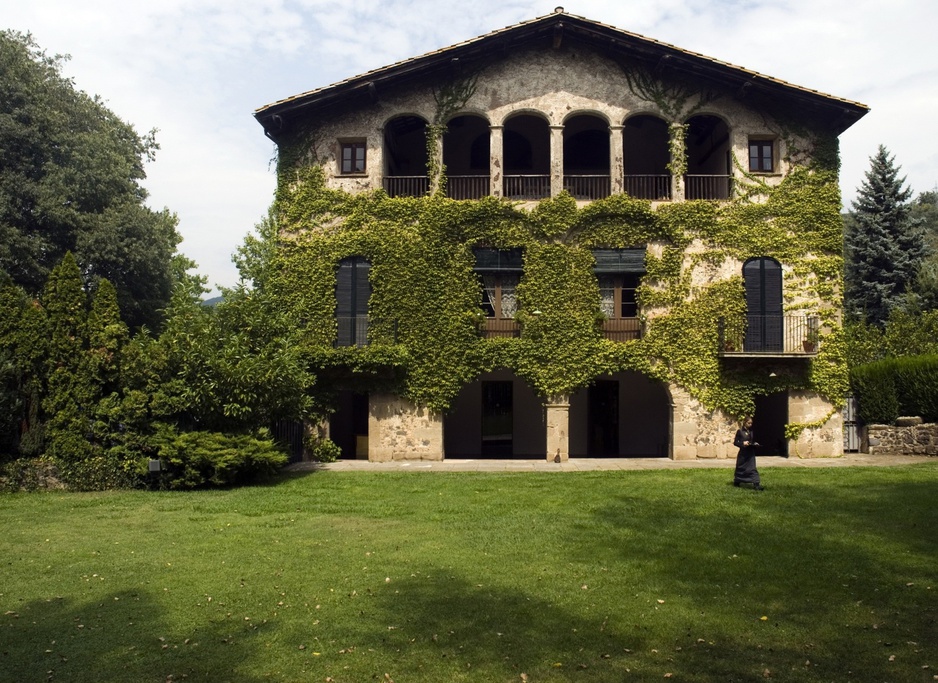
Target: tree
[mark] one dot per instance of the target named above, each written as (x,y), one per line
(885,246)
(70,180)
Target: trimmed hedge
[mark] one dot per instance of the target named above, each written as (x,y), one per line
(892,387)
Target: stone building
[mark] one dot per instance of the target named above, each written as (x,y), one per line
(561,239)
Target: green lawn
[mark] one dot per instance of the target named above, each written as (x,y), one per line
(829,575)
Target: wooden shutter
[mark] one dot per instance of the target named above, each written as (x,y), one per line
(762,278)
(352,291)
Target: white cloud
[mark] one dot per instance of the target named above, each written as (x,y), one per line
(197,69)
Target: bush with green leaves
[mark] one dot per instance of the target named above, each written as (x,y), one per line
(892,387)
(208,459)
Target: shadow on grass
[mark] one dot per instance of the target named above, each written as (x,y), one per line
(844,574)
(119,638)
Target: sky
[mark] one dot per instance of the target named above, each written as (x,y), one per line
(196,70)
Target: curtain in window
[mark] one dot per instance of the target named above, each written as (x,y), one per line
(509,297)
(607,295)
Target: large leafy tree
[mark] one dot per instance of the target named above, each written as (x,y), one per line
(885,246)
(70,180)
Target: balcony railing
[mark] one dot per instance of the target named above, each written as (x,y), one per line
(587,186)
(622,329)
(500,327)
(526,187)
(360,330)
(654,187)
(406,185)
(467,186)
(773,335)
(708,186)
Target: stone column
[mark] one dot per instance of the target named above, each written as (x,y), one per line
(616,160)
(556,160)
(558,429)
(398,429)
(496,160)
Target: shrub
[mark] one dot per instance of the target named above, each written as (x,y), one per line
(917,386)
(874,387)
(204,459)
(325,450)
(29,474)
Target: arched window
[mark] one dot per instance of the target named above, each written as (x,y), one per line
(352,291)
(762,278)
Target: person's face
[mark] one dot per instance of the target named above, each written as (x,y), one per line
(748,423)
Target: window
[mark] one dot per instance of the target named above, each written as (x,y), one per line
(500,273)
(617,295)
(618,272)
(761,157)
(762,278)
(352,291)
(353,157)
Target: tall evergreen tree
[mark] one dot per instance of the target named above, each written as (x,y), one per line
(884,243)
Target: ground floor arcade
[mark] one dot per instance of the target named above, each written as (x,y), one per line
(624,415)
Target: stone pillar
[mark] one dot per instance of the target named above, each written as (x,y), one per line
(824,441)
(496,160)
(556,160)
(616,160)
(398,429)
(558,429)
(677,179)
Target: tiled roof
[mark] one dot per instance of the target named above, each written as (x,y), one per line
(607,36)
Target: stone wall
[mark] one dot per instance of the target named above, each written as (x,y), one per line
(909,436)
(400,430)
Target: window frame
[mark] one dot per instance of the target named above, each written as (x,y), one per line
(354,145)
(761,144)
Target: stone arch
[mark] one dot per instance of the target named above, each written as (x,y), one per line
(708,147)
(496,416)
(646,150)
(405,155)
(623,415)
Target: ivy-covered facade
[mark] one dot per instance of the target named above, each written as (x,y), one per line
(563,240)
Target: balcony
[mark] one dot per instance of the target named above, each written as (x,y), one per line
(653,187)
(500,327)
(360,330)
(587,187)
(777,336)
(622,329)
(406,186)
(708,186)
(526,187)
(467,186)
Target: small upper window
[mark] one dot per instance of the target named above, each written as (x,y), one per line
(353,157)
(761,157)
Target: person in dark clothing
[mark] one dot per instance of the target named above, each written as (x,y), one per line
(746,472)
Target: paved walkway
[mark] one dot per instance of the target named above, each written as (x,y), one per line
(597,464)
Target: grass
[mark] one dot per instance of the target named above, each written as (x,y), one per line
(829,575)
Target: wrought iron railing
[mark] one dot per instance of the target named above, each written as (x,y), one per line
(708,186)
(588,186)
(360,330)
(406,185)
(770,335)
(526,187)
(622,329)
(654,187)
(467,186)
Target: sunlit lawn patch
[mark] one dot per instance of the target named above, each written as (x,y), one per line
(829,575)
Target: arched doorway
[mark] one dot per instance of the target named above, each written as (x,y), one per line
(526,154)
(466,157)
(497,416)
(405,154)
(709,159)
(586,157)
(620,416)
(646,153)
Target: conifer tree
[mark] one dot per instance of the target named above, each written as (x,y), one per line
(884,244)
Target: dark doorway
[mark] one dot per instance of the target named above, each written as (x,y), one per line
(348,426)
(603,419)
(769,424)
(497,419)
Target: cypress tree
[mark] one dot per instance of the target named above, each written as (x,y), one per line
(884,243)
